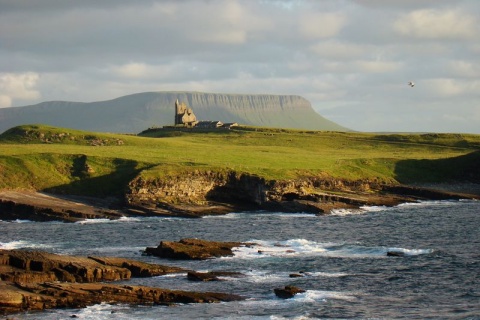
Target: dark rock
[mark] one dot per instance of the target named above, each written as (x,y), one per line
(35,280)
(295,275)
(20,298)
(212,275)
(287,292)
(193,249)
(137,268)
(201,276)
(395,254)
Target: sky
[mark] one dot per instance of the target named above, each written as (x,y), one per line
(352,59)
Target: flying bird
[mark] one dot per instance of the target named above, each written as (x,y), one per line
(411,84)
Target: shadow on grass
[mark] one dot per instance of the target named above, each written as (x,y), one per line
(465,168)
(113,184)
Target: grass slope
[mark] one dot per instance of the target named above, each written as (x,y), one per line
(72,161)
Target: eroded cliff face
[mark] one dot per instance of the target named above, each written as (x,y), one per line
(201,188)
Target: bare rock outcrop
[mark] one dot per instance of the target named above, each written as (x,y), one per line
(193,249)
(287,292)
(21,266)
(40,296)
(35,280)
(315,194)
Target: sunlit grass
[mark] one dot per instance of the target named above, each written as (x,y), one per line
(28,161)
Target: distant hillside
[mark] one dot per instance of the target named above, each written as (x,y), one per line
(137,112)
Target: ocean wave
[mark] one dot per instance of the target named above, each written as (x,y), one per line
(236,215)
(307,297)
(258,276)
(428,203)
(346,212)
(19,244)
(302,247)
(91,221)
(320,295)
(105,220)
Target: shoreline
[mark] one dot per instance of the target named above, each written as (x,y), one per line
(40,206)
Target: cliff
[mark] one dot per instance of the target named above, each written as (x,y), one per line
(137,112)
(199,193)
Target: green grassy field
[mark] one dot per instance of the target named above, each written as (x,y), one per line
(64,160)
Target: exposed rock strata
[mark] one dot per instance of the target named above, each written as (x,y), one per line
(317,195)
(40,296)
(36,266)
(197,193)
(34,280)
(193,249)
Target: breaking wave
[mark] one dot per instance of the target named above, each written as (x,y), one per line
(302,247)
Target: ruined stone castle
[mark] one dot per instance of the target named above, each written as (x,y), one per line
(184,117)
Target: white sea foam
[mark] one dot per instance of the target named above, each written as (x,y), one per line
(258,276)
(409,252)
(346,212)
(427,203)
(22,221)
(127,219)
(374,208)
(104,220)
(91,221)
(319,295)
(102,311)
(307,297)
(18,244)
(236,215)
(303,247)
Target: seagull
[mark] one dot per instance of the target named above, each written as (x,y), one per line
(411,84)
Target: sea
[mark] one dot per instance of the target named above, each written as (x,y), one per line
(342,257)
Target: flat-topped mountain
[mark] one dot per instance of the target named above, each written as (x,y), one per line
(136,112)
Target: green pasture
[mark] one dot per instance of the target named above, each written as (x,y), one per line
(64,160)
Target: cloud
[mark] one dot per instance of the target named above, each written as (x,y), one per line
(464,69)
(131,70)
(437,24)
(319,25)
(377,66)
(448,87)
(18,86)
(334,53)
(334,49)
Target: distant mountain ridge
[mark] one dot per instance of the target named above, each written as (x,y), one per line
(136,112)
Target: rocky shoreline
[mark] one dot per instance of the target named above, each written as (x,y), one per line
(37,280)
(296,197)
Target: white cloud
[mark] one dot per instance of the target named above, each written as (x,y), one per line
(351,52)
(131,70)
(318,25)
(5,101)
(448,87)
(437,24)
(377,66)
(335,49)
(225,22)
(18,86)
(464,69)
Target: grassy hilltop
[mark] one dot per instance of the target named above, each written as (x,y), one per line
(63,160)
